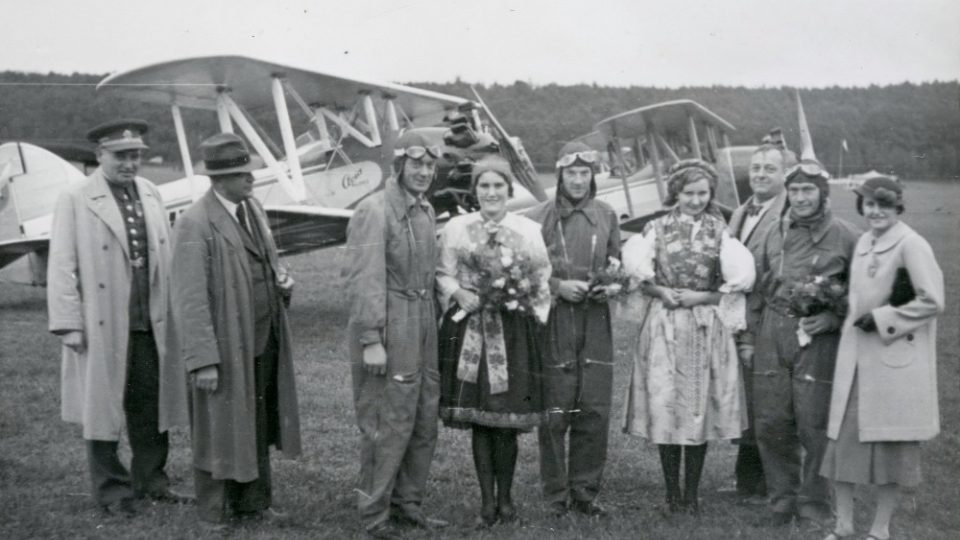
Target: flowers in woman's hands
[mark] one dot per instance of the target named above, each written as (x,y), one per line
(506,256)
(503,278)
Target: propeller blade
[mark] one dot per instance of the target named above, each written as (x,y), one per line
(519,161)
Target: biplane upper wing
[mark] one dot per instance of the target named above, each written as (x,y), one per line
(196,83)
(302,228)
(666,115)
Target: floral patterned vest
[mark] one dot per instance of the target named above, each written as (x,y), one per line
(688,262)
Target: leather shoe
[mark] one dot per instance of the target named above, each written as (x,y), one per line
(588,508)
(507,512)
(775,519)
(210,527)
(170,496)
(383,531)
(419,519)
(123,507)
(268,515)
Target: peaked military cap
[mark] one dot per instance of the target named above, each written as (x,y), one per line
(119,135)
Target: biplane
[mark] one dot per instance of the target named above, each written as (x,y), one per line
(638,146)
(335,149)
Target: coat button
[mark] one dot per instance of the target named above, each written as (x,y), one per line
(101,323)
(102,286)
(163,240)
(891,330)
(909,337)
(104,247)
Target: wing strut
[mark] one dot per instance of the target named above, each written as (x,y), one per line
(223,115)
(297,193)
(623,170)
(694,139)
(286,133)
(184,149)
(652,137)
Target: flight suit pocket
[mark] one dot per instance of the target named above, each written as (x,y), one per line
(402,390)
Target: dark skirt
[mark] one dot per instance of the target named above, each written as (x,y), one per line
(465,404)
(884,462)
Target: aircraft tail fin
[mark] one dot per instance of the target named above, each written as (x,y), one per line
(806,141)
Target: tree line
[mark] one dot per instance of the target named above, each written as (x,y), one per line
(912,130)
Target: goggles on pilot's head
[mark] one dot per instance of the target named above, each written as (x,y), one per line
(808,168)
(417,152)
(589,157)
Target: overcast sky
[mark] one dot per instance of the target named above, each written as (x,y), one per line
(610,42)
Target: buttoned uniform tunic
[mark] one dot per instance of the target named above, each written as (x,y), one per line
(390,273)
(896,366)
(89,279)
(792,384)
(578,362)
(216,318)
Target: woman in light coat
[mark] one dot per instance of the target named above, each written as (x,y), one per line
(884,397)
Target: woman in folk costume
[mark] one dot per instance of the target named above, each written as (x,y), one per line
(493,281)
(884,399)
(686,387)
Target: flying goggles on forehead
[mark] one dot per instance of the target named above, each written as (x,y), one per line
(588,157)
(417,152)
(809,168)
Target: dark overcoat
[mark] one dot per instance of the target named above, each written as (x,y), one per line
(213,294)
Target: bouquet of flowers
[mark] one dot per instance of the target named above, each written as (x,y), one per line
(814,294)
(610,281)
(505,279)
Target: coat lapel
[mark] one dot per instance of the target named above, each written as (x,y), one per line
(223,222)
(772,215)
(101,202)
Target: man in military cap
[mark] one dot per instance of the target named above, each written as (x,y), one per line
(581,234)
(230,294)
(108,299)
(392,251)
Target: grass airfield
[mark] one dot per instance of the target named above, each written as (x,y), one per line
(44,485)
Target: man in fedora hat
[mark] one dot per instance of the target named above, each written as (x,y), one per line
(108,299)
(229,290)
(392,250)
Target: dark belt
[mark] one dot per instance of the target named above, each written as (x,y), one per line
(414,294)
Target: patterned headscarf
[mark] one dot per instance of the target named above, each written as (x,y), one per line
(688,171)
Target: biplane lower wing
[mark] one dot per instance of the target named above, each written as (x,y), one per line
(302,228)
(11,250)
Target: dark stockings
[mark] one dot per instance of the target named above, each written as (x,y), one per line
(495,458)
(692,457)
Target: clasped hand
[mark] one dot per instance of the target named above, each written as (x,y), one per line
(676,298)
(207,378)
(820,323)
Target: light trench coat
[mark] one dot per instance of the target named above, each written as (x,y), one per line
(88,289)
(896,366)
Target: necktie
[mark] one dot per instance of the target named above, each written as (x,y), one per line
(754,210)
(242,217)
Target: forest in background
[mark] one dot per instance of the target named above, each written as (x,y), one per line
(912,130)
